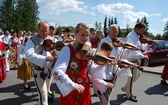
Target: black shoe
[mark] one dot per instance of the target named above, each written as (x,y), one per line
(163,82)
(26,88)
(50,97)
(132,98)
(94,95)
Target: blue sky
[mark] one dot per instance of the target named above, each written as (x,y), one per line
(71,12)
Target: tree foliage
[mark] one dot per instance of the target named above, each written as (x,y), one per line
(165,32)
(19,15)
(105,27)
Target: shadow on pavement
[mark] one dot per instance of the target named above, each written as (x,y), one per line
(120,99)
(20,93)
(162,89)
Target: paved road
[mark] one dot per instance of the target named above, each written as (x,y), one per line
(148,89)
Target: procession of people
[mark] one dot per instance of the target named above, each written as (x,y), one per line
(74,63)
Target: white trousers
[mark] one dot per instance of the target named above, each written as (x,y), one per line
(104,98)
(130,81)
(42,81)
(7,64)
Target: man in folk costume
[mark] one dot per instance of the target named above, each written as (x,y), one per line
(134,56)
(41,61)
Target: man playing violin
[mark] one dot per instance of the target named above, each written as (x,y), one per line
(134,56)
(41,61)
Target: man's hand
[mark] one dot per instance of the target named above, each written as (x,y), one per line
(109,85)
(50,58)
(146,57)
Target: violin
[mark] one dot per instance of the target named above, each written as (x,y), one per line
(2,54)
(124,63)
(117,42)
(49,45)
(144,40)
(102,58)
(84,52)
(68,39)
(120,43)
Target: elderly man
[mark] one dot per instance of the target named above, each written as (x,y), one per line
(41,61)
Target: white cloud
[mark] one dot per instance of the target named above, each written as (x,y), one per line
(40,0)
(121,9)
(156,14)
(62,6)
(165,20)
(112,9)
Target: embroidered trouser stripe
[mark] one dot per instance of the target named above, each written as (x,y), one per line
(42,83)
(104,100)
(35,80)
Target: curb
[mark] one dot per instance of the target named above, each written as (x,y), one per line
(153,72)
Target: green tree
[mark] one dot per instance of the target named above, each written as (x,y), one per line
(6,14)
(144,19)
(158,37)
(111,22)
(27,12)
(138,21)
(127,30)
(96,26)
(165,31)
(19,15)
(105,27)
(115,21)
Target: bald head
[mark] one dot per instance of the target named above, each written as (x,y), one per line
(43,29)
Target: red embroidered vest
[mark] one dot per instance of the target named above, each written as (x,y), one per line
(77,73)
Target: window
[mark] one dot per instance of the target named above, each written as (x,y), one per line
(166,45)
(160,46)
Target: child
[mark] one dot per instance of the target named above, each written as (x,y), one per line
(24,71)
(103,76)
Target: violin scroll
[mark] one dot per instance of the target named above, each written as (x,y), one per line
(120,43)
(117,42)
(49,45)
(68,39)
(123,63)
(144,40)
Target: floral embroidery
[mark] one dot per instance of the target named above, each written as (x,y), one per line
(79,80)
(87,80)
(57,77)
(73,65)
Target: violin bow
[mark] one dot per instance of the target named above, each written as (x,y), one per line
(107,93)
(93,58)
(118,57)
